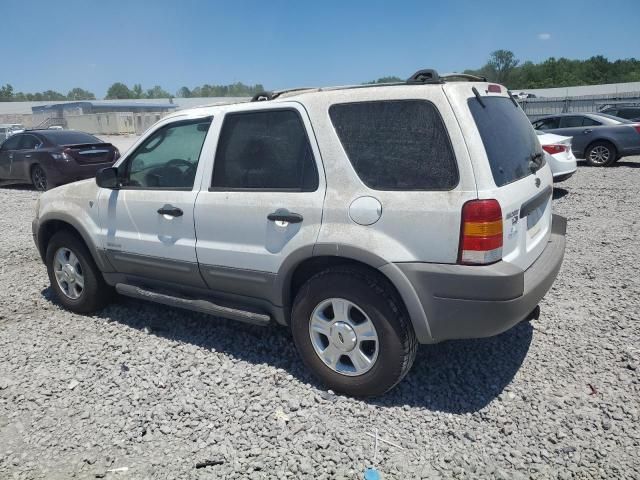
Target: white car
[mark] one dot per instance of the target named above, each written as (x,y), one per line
(558,154)
(367,219)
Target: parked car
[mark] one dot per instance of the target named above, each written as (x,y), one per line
(626,112)
(8,129)
(559,155)
(599,138)
(47,158)
(367,219)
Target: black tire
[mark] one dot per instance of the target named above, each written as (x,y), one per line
(371,293)
(95,293)
(39,178)
(601,154)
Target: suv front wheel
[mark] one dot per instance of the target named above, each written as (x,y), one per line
(351,331)
(74,276)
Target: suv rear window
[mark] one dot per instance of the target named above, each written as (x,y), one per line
(396,144)
(508,138)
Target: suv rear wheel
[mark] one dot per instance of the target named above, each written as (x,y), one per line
(351,331)
(74,275)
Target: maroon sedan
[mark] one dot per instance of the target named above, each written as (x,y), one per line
(47,158)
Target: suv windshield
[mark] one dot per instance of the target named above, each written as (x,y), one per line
(508,138)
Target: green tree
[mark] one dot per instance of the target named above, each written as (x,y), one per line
(80,94)
(157,92)
(184,92)
(136,91)
(6,93)
(502,62)
(391,79)
(119,91)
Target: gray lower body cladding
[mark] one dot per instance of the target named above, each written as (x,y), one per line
(481,301)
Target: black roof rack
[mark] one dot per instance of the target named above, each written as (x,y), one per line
(421,77)
(424,76)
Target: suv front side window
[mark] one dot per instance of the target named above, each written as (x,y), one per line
(168,159)
(266,150)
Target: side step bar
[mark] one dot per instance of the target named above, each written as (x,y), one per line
(202,306)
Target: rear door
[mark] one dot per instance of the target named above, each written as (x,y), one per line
(503,143)
(262,200)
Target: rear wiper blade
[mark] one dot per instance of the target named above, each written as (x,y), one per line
(477,94)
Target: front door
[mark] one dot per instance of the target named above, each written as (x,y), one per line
(263,200)
(147,227)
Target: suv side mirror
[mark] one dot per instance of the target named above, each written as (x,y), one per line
(108,178)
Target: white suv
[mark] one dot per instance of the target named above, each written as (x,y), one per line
(367,219)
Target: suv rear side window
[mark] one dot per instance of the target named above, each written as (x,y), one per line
(266,150)
(396,144)
(508,138)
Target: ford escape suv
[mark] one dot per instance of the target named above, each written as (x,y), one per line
(367,219)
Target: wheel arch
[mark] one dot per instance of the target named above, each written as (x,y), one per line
(50,226)
(601,140)
(295,273)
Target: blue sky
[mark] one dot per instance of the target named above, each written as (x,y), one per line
(91,44)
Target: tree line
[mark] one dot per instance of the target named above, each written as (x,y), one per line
(8,95)
(502,67)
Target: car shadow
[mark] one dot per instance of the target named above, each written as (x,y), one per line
(619,163)
(559,192)
(8,185)
(456,376)
(622,163)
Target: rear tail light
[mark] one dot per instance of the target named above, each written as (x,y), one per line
(481,233)
(637,127)
(553,149)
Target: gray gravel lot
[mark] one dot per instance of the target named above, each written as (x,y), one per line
(158,390)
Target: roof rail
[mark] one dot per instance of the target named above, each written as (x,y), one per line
(424,76)
(262,96)
(465,76)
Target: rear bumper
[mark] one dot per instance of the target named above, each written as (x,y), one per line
(472,302)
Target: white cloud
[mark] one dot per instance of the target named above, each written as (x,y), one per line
(544,36)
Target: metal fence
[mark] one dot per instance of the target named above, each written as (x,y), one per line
(539,107)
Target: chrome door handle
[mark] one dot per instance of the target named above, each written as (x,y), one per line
(588,130)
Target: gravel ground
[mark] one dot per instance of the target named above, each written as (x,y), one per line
(156,391)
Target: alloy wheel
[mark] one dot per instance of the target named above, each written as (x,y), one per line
(599,155)
(69,273)
(39,179)
(344,337)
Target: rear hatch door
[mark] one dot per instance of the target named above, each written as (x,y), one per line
(509,166)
